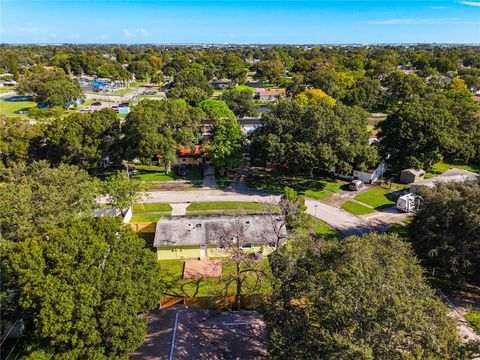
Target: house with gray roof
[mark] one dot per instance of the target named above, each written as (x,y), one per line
(191,237)
(451,175)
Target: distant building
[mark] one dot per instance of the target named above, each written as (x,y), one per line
(451,175)
(221,84)
(190,237)
(270,95)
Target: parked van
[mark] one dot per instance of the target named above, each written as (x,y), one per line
(355,185)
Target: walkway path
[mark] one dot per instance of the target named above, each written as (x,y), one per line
(179,209)
(209,180)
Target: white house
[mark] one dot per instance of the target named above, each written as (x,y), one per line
(370,176)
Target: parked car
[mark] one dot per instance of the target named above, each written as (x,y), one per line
(355,185)
(182,170)
(124,104)
(96,103)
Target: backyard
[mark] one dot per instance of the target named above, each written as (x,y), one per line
(176,286)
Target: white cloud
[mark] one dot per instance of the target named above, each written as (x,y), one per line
(444,21)
(439,7)
(127,33)
(143,32)
(470,3)
(232,35)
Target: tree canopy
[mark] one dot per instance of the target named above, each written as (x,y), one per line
(357,298)
(420,132)
(83,289)
(51,88)
(315,137)
(159,128)
(446,232)
(82,138)
(37,198)
(225,148)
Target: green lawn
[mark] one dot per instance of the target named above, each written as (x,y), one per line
(442,166)
(5,89)
(223,205)
(120,92)
(378,197)
(315,186)
(151,207)
(152,173)
(142,217)
(314,194)
(356,209)
(320,228)
(11,108)
(474,320)
(172,271)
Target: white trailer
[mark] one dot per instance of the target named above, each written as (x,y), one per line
(406,203)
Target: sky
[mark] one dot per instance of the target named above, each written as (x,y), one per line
(240,21)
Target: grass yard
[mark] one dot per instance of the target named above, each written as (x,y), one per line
(474,320)
(224,205)
(11,108)
(318,195)
(442,166)
(378,197)
(172,271)
(355,208)
(5,89)
(317,187)
(311,224)
(145,217)
(151,207)
(152,173)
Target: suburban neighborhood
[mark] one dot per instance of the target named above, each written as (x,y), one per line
(239,201)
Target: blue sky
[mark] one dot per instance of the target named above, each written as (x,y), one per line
(240,21)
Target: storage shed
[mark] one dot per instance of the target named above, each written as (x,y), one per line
(408,176)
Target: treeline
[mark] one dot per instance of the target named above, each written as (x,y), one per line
(153,132)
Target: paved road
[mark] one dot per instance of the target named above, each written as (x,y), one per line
(345,223)
(208,195)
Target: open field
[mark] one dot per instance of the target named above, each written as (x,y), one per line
(11,108)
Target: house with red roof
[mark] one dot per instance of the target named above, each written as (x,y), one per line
(196,156)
